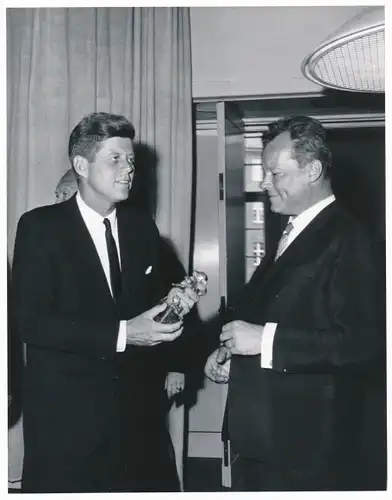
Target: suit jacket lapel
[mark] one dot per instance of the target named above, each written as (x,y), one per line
(304,242)
(252,287)
(307,237)
(85,255)
(82,249)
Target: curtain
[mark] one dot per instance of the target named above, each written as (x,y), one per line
(65,63)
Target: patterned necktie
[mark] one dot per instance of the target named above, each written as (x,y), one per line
(114,264)
(284,240)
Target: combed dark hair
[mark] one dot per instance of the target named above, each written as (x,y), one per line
(95,128)
(309,140)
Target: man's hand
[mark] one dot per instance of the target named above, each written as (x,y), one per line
(242,338)
(215,369)
(188,298)
(144,331)
(174,383)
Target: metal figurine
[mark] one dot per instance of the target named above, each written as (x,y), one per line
(174,310)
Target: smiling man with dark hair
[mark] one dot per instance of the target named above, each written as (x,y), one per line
(87,278)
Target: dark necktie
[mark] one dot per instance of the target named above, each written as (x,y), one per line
(115,273)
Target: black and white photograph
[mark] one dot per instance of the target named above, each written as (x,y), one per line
(196,248)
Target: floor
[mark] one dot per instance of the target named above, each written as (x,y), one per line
(201,475)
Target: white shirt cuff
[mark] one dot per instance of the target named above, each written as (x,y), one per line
(122,337)
(267,345)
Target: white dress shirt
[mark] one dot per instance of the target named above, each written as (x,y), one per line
(96,228)
(299,223)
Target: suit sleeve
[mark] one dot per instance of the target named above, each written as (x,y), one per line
(351,331)
(33,292)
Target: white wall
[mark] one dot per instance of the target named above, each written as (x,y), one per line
(258,50)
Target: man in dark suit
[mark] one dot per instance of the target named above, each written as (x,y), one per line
(86,284)
(162,476)
(306,332)
(66,187)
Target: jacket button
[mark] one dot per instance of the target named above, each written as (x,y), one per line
(115,377)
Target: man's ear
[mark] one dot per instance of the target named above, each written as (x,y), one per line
(80,164)
(315,169)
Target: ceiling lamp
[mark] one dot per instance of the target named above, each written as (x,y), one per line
(353,57)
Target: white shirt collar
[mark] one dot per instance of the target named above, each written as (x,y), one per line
(300,221)
(91,217)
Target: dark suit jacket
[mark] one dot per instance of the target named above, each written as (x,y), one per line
(306,412)
(80,394)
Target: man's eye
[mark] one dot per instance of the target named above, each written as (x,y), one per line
(115,158)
